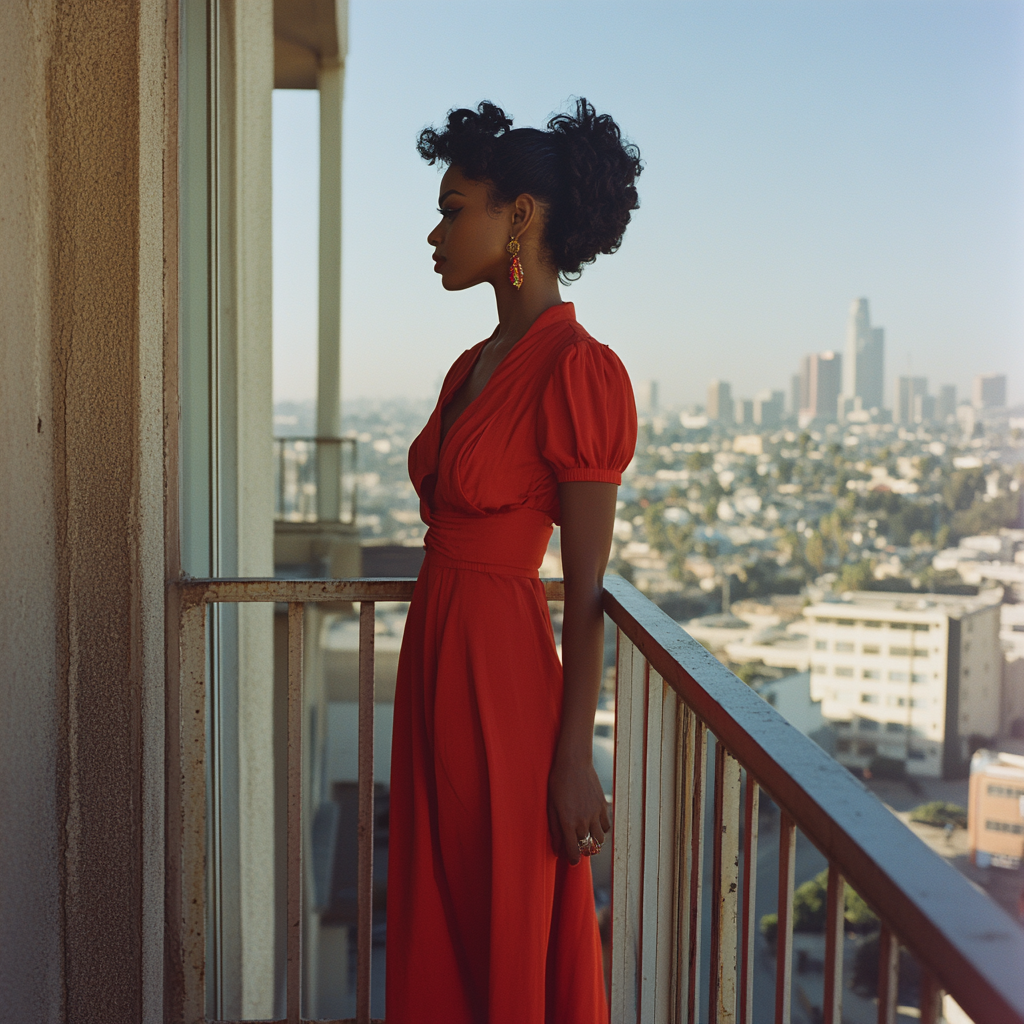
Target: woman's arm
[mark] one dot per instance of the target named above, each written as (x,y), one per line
(576,803)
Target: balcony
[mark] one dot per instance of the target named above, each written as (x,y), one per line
(315,531)
(695,749)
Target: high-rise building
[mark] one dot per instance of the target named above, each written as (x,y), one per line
(924,409)
(794,395)
(647,397)
(820,383)
(909,390)
(945,407)
(907,677)
(720,406)
(864,365)
(743,412)
(989,391)
(768,408)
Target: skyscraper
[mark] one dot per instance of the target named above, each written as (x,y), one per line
(647,397)
(820,382)
(720,401)
(768,408)
(864,365)
(908,392)
(946,405)
(989,391)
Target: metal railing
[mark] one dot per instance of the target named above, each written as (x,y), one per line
(671,696)
(315,479)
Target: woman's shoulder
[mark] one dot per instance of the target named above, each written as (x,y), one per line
(577,351)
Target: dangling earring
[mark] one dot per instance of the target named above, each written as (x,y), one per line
(515,268)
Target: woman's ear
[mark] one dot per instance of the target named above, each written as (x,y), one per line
(525,211)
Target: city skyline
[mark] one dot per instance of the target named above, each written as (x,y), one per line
(797,156)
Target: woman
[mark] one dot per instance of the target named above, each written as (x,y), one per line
(495,803)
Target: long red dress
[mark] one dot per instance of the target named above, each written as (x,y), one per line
(485,923)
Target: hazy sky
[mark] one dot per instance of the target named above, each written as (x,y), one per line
(798,155)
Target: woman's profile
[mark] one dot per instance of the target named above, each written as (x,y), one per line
(495,804)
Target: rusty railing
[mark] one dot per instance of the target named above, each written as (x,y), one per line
(672,696)
(314,479)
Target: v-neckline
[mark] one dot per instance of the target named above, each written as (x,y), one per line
(444,437)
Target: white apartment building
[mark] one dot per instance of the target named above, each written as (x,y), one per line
(907,677)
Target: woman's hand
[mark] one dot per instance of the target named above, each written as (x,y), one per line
(576,807)
(576,803)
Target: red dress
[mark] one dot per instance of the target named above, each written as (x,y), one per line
(485,923)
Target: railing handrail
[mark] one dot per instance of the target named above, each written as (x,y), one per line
(958,935)
(343,439)
(957,932)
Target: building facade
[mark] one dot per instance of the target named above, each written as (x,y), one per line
(989,391)
(995,809)
(864,361)
(720,406)
(768,409)
(907,678)
(820,386)
(911,395)
(945,404)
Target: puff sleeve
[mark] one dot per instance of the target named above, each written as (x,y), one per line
(587,422)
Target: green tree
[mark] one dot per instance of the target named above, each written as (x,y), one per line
(856,576)
(961,488)
(988,516)
(814,552)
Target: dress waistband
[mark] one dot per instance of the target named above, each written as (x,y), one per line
(506,543)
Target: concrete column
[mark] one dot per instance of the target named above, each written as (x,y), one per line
(331,80)
(83,99)
(246,507)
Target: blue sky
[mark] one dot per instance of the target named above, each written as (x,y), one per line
(798,155)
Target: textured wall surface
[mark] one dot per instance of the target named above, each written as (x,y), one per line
(81,620)
(29,880)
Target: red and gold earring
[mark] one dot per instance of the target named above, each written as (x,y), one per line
(515,268)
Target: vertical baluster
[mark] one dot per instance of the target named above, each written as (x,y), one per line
(696,864)
(931,998)
(187,816)
(620,811)
(888,975)
(724,888)
(658,883)
(751,801)
(364,921)
(294,923)
(784,936)
(835,910)
(627,866)
(686,724)
(668,812)
(652,847)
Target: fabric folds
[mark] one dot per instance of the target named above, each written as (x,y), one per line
(485,923)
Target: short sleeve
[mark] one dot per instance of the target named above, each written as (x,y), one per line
(587,423)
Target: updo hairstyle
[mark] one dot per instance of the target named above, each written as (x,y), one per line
(580,169)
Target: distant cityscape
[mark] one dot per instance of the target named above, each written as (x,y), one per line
(848,387)
(861,566)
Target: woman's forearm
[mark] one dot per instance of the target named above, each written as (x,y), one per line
(588,514)
(582,660)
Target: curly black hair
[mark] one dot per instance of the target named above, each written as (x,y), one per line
(580,169)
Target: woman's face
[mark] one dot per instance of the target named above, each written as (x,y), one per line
(469,242)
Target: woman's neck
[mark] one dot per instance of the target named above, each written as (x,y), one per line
(519,308)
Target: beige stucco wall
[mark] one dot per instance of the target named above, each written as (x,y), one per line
(81,474)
